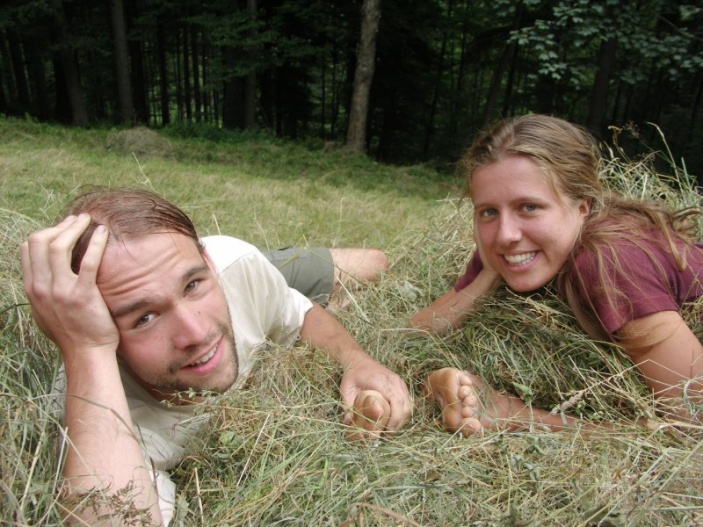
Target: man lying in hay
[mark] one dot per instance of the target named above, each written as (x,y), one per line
(149,320)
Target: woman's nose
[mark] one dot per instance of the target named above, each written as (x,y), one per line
(509,230)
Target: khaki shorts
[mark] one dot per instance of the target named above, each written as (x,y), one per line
(310,271)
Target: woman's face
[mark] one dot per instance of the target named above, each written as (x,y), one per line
(523,229)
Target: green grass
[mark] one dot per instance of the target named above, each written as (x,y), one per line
(264,191)
(275,452)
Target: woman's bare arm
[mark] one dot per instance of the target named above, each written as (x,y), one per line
(669,356)
(450,311)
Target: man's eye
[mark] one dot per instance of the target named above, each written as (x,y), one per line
(487,213)
(144,319)
(192,285)
(529,207)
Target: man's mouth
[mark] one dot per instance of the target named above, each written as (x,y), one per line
(205,358)
(520,259)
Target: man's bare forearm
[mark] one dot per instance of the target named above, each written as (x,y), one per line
(105,472)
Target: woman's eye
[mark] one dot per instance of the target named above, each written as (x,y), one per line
(489,212)
(529,207)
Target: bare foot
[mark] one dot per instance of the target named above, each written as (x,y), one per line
(369,416)
(453,390)
(469,405)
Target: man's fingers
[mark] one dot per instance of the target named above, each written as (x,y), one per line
(400,413)
(94,254)
(46,261)
(348,398)
(61,247)
(389,386)
(42,247)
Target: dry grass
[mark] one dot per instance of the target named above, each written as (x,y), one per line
(275,453)
(28,431)
(140,142)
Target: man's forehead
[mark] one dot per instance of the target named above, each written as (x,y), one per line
(138,243)
(147,250)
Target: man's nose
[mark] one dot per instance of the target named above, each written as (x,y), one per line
(191,327)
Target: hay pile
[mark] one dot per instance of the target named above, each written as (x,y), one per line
(139,142)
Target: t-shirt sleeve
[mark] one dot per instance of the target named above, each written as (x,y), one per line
(472,269)
(638,286)
(278,309)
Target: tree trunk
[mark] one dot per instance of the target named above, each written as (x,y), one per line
(694,113)
(69,69)
(232,93)
(358,115)
(250,80)
(209,114)
(195,57)
(510,83)
(163,72)
(544,92)
(4,106)
(187,91)
(599,96)
(119,36)
(176,49)
(139,83)
(21,83)
(8,79)
(41,108)
(507,57)
(429,127)
(457,95)
(138,79)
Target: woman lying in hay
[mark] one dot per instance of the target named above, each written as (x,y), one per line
(627,268)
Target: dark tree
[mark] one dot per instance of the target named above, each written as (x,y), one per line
(122,71)
(67,77)
(365,64)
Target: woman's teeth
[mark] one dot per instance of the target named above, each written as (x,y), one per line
(517,259)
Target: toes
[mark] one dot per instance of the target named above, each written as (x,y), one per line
(470,400)
(471,426)
(465,392)
(369,417)
(468,412)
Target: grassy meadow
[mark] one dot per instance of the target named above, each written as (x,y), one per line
(275,452)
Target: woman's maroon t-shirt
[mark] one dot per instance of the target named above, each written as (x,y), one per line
(646,290)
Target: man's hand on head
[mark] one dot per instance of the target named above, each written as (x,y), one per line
(68,307)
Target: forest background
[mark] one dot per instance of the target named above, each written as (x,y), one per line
(428,73)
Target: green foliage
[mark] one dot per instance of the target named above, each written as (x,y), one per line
(216,134)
